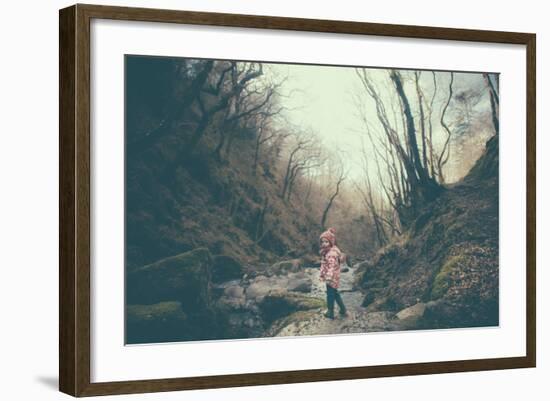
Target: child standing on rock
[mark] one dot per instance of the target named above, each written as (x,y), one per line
(330,271)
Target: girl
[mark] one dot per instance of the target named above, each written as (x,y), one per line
(331,258)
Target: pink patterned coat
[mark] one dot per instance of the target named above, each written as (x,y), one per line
(330,267)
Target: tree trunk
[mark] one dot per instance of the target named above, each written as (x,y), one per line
(332,198)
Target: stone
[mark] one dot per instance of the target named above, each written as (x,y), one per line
(164,321)
(258,288)
(282,303)
(284,267)
(262,285)
(415,311)
(300,285)
(233,297)
(412,317)
(225,268)
(184,278)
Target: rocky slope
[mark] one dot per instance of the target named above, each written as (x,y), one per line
(447,263)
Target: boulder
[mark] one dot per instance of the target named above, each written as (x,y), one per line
(184,278)
(300,285)
(235,291)
(285,267)
(411,317)
(163,311)
(295,324)
(233,297)
(378,321)
(225,268)
(258,288)
(279,303)
(164,321)
(451,313)
(242,316)
(262,285)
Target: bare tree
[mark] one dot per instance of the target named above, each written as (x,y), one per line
(224,92)
(410,170)
(266,133)
(492,83)
(305,154)
(340,176)
(385,221)
(446,152)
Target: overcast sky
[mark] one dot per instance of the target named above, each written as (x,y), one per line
(322,99)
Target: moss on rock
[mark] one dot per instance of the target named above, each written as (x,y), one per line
(296,318)
(281,303)
(442,280)
(162,311)
(164,321)
(185,277)
(225,268)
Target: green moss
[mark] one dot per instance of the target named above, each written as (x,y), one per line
(442,280)
(280,303)
(158,312)
(295,301)
(299,316)
(191,259)
(195,257)
(311,303)
(296,317)
(184,277)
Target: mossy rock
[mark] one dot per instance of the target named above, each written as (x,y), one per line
(160,322)
(296,317)
(162,311)
(185,278)
(442,279)
(278,303)
(300,285)
(225,268)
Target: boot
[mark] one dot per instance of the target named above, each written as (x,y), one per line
(342,308)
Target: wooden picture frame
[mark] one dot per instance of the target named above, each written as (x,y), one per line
(74,199)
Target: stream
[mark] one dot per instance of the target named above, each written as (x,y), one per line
(246,299)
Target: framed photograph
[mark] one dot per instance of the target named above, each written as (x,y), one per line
(250,200)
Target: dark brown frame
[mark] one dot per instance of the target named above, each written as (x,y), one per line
(74,199)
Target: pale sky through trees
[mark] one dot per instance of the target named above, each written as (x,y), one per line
(321,98)
(324,98)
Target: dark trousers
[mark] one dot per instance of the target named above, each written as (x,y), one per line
(334,295)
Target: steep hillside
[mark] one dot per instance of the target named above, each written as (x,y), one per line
(213,205)
(448,260)
(214,192)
